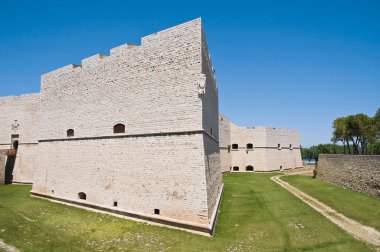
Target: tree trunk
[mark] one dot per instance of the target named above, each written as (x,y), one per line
(344,147)
(348,146)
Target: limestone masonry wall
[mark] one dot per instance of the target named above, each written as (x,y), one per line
(149,88)
(19,122)
(3,160)
(225,142)
(258,148)
(166,164)
(357,172)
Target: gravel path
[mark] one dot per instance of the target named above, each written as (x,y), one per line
(7,248)
(354,228)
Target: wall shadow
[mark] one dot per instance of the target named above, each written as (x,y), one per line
(11,160)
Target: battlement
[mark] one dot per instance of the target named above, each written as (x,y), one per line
(172,34)
(93,60)
(171,31)
(121,50)
(32,96)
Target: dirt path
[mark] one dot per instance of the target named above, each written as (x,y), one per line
(354,228)
(7,248)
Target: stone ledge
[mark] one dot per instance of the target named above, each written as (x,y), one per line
(193,227)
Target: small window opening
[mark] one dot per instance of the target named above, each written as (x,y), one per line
(221,119)
(70,133)
(15,145)
(211,131)
(82,196)
(249,146)
(119,128)
(235,146)
(157,211)
(249,168)
(279,146)
(280,167)
(236,168)
(115,203)
(290,146)
(52,191)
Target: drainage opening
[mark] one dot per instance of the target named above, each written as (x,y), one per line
(82,195)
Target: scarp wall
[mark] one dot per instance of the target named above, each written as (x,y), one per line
(166,163)
(357,172)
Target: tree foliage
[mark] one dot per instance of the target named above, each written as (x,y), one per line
(357,132)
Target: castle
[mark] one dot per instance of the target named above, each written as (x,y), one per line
(135,133)
(257,148)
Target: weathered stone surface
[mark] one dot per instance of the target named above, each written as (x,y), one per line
(265,155)
(3,160)
(20,116)
(357,172)
(168,158)
(164,92)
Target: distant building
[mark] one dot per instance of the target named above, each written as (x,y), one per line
(248,149)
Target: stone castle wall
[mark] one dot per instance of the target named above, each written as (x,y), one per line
(210,124)
(168,157)
(20,116)
(357,172)
(225,143)
(3,160)
(265,154)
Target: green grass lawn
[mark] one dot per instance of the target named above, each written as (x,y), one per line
(256,215)
(355,205)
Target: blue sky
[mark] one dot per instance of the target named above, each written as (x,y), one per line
(293,64)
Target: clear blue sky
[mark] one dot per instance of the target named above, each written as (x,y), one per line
(294,64)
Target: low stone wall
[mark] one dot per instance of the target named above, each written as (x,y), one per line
(357,172)
(3,160)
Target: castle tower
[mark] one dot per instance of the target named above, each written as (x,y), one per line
(136,132)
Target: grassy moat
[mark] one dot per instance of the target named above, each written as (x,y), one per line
(256,215)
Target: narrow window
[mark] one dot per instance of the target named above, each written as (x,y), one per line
(211,131)
(235,146)
(290,146)
(249,168)
(119,128)
(279,146)
(236,168)
(82,195)
(157,211)
(280,167)
(70,133)
(115,203)
(249,146)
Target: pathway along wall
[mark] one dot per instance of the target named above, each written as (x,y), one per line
(357,172)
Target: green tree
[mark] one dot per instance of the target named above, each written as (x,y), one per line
(341,133)
(376,120)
